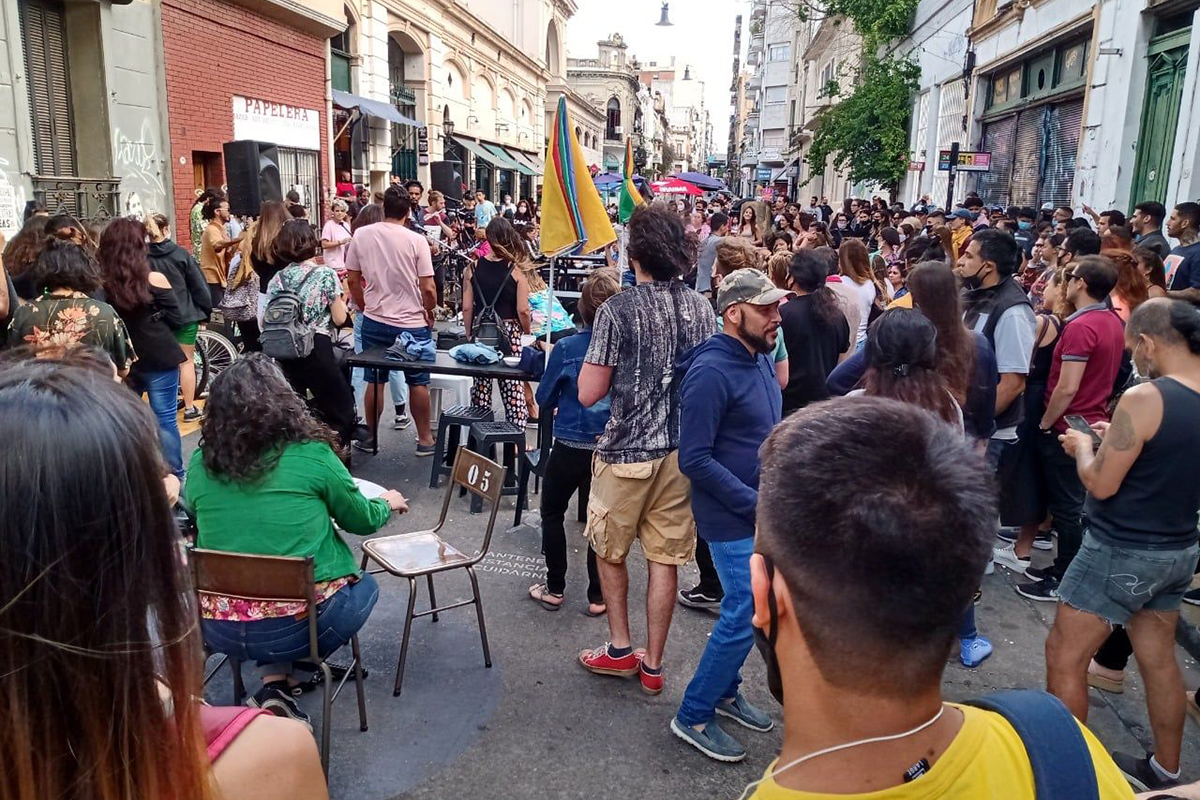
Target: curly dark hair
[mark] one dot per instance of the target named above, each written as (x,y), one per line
(251,414)
(21,252)
(124,267)
(657,242)
(62,264)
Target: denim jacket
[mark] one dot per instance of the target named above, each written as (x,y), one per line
(560,387)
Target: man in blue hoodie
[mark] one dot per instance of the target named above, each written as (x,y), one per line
(729,402)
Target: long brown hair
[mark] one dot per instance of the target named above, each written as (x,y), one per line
(99,644)
(901,355)
(124,267)
(272,217)
(935,292)
(1131,283)
(506,242)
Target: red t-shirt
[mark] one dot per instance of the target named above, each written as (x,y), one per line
(1094,335)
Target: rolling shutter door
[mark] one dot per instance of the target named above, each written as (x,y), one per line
(1061,126)
(1023,188)
(993,186)
(44,37)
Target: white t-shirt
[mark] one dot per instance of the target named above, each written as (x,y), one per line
(866,298)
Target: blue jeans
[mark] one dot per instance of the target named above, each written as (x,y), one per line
(395,379)
(278,641)
(162,388)
(376,333)
(719,674)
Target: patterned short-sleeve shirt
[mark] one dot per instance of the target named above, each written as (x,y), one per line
(641,333)
(319,292)
(54,321)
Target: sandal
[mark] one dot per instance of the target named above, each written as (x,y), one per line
(542,594)
(591,611)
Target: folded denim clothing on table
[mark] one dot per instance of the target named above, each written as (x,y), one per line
(409,348)
(472,353)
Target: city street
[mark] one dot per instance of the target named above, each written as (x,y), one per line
(536,724)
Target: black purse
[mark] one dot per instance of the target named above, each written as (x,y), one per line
(487,327)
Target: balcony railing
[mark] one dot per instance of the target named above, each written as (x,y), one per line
(88,199)
(402,95)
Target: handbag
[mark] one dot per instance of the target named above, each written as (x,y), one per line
(241,302)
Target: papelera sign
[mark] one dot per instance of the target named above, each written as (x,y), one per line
(278,123)
(967,161)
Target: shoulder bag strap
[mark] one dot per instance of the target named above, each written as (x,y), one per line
(1062,764)
(489,307)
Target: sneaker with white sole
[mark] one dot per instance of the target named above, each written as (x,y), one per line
(1044,540)
(973,652)
(401,422)
(712,741)
(1192,597)
(1006,556)
(276,697)
(739,710)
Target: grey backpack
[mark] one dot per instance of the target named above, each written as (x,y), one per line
(284,335)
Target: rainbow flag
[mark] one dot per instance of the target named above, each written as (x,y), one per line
(631,198)
(573,215)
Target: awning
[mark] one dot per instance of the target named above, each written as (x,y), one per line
(534,162)
(372,108)
(479,151)
(530,166)
(506,161)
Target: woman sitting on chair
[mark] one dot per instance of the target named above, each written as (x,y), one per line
(267,480)
(98,646)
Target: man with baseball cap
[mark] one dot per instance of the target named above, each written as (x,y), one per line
(729,402)
(959,222)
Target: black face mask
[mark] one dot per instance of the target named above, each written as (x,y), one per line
(766,643)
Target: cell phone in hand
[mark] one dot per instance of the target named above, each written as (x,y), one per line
(1080,424)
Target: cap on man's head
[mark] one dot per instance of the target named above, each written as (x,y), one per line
(747,286)
(961,213)
(1047,206)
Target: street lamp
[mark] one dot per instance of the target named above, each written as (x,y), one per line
(663,22)
(448,128)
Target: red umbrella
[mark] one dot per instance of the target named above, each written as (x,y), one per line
(674,186)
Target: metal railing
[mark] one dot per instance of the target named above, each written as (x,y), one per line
(89,199)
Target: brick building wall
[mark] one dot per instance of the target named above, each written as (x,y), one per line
(214,50)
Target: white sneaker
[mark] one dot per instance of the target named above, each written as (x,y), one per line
(1007,556)
(401,422)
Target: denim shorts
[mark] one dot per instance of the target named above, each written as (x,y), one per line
(375,334)
(1114,582)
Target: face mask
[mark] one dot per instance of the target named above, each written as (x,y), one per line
(1025,225)
(973,282)
(766,643)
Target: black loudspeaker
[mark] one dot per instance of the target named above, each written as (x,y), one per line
(252,175)
(446,177)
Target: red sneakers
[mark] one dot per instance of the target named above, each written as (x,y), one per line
(651,684)
(601,663)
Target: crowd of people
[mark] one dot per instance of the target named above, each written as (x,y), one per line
(1022,379)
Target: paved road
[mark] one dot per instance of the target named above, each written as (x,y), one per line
(536,724)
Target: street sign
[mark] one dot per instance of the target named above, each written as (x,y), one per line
(422,146)
(916,166)
(763,174)
(967,161)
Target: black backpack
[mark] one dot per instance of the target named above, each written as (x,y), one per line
(487,327)
(284,335)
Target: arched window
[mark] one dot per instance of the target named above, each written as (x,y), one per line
(612,126)
(553,50)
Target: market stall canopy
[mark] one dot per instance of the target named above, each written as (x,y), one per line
(372,108)
(674,186)
(706,182)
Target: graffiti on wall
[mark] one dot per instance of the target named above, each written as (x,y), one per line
(12,202)
(138,161)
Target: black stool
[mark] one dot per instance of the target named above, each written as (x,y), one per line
(449,423)
(483,440)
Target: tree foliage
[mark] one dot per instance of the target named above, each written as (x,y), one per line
(866,131)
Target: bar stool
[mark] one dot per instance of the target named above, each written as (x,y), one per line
(483,440)
(450,423)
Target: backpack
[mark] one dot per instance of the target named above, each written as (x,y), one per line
(487,327)
(284,335)
(1058,754)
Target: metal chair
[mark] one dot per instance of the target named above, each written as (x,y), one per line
(411,555)
(277,579)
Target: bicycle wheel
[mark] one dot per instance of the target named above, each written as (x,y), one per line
(218,352)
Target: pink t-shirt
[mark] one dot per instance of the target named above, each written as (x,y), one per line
(391,259)
(336,232)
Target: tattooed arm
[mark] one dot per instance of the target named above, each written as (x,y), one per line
(1135,421)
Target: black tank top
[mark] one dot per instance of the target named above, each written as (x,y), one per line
(1043,355)
(1155,508)
(490,275)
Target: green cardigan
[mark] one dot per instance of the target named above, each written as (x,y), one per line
(288,511)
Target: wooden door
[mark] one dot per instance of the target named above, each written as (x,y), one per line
(1167,57)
